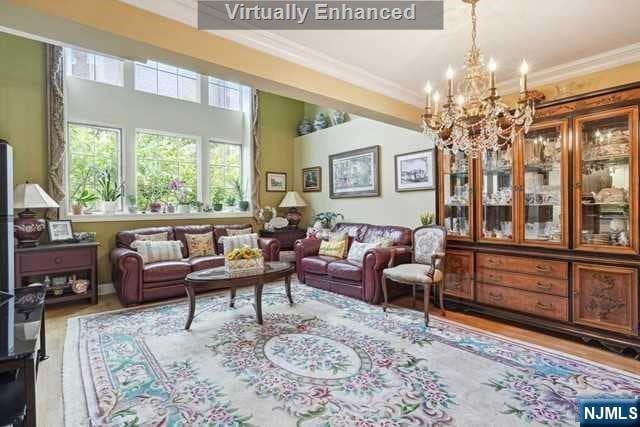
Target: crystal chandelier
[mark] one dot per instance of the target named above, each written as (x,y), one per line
(475,119)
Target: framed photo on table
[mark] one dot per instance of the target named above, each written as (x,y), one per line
(60,230)
(355,173)
(277,182)
(415,171)
(312,179)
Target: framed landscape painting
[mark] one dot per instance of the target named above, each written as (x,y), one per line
(355,173)
(415,171)
(276,181)
(312,179)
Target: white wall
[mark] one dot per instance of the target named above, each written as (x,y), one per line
(90,102)
(391,208)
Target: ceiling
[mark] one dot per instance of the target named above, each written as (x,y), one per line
(559,39)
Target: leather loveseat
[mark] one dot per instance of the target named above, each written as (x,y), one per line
(362,281)
(136,282)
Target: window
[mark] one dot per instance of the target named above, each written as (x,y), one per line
(93,150)
(224,94)
(225,166)
(167,80)
(161,160)
(90,66)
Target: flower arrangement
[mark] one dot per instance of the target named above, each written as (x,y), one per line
(327,219)
(244,261)
(182,193)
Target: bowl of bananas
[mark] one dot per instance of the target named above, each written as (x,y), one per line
(244,261)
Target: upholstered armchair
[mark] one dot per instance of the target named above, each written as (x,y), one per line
(426,268)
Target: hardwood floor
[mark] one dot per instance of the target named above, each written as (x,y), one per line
(50,411)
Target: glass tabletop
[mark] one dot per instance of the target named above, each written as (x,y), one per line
(219,273)
(20,319)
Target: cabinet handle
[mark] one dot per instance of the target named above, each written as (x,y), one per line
(495,296)
(495,261)
(543,306)
(544,286)
(495,278)
(544,268)
(577,185)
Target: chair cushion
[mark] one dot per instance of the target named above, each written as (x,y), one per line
(412,273)
(165,270)
(204,262)
(316,264)
(345,270)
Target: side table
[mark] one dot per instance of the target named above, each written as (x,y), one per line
(32,264)
(286,236)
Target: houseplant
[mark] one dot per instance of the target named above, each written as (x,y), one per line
(81,197)
(197,205)
(428,218)
(183,195)
(217,198)
(152,194)
(109,191)
(243,204)
(230,201)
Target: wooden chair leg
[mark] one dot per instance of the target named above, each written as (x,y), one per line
(427,291)
(413,300)
(441,294)
(384,292)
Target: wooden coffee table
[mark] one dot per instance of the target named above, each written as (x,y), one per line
(218,278)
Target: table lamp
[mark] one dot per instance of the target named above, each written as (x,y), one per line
(293,201)
(27,228)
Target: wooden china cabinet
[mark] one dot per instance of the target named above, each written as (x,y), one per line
(545,232)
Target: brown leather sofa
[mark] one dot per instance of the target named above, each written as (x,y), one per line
(136,282)
(344,277)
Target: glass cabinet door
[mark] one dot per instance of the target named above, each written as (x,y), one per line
(606,175)
(456,201)
(495,200)
(543,199)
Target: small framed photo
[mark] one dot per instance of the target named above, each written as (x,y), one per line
(312,179)
(415,171)
(60,231)
(277,182)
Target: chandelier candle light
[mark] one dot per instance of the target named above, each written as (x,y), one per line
(476,120)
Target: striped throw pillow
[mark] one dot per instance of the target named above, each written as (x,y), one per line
(334,248)
(156,251)
(230,243)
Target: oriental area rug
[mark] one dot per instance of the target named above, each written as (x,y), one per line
(328,360)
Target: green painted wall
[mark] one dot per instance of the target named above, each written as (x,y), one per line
(22,106)
(23,124)
(278,119)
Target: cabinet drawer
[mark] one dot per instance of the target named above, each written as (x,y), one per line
(542,305)
(545,285)
(537,266)
(55,260)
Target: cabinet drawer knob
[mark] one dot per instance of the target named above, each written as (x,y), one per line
(544,286)
(57,260)
(495,261)
(495,296)
(543,306)
(495,278)
(544,268)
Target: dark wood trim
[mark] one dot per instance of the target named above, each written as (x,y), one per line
(572,98)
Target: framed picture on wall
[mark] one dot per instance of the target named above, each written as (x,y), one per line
(355,173)
(415,171)
(312,179)
(277,181)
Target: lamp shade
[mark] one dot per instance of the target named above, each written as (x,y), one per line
(292,200)
(28,196)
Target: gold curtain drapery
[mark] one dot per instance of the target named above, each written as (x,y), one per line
(56,141)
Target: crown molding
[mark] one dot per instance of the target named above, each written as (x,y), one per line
(590,64)
(271,43)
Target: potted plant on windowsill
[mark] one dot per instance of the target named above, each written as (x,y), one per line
(243,204)
(217,198)
(152,193)
(183,195)
(132,203)
(109,191)
(230,201)
(81,197)
(197,205)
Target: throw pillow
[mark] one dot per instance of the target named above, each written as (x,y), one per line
(384,242)
(156,251)
(358,249)
(152,237)
(334,248)
(238,232)
(230,243)
(200,244)
(334,235)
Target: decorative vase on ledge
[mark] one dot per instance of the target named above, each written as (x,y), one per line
(109,206)
(184,209)
(155,207)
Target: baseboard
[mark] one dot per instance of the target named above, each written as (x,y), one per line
(106,289)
